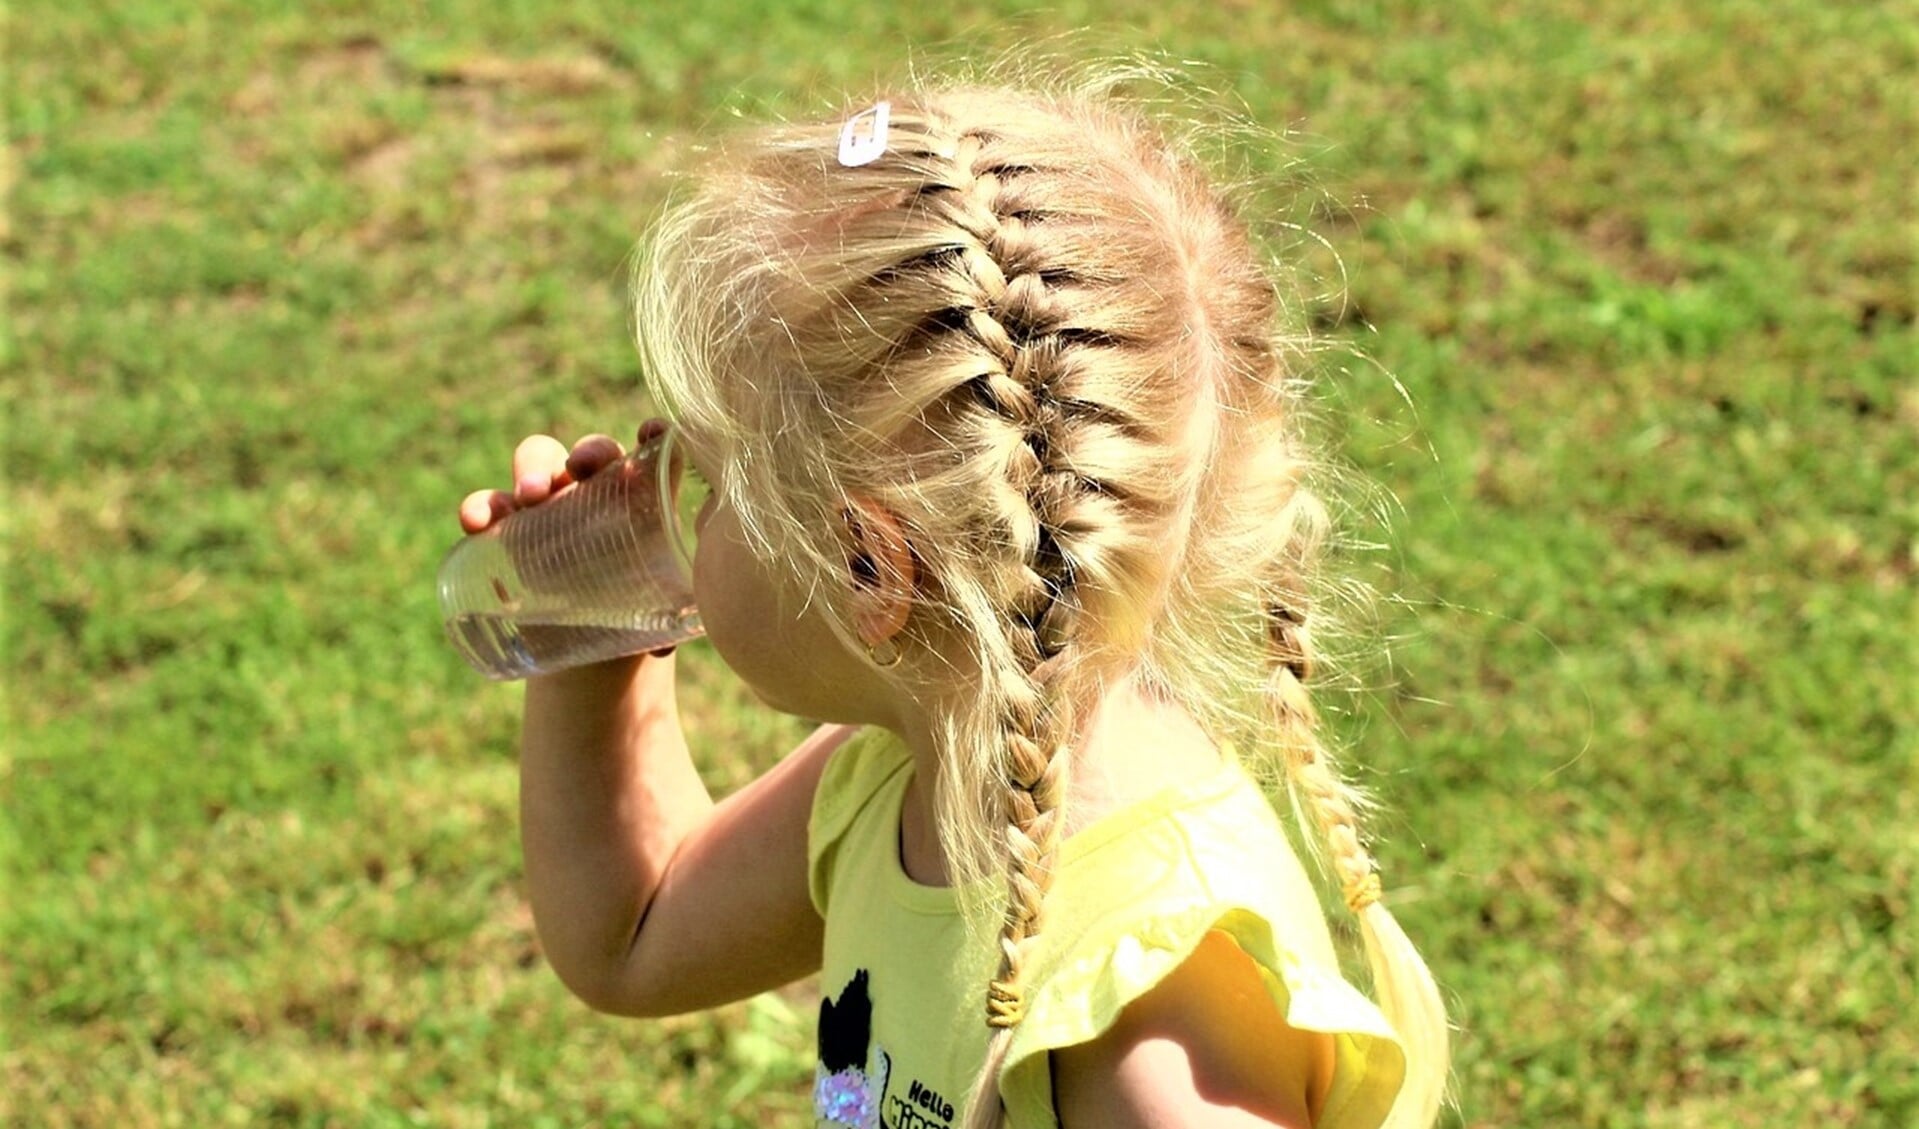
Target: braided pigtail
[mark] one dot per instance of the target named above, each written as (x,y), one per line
(1402,984)
(1258,548)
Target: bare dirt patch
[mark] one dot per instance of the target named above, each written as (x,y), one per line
(563,76)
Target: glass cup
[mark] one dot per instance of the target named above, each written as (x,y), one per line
(601,570)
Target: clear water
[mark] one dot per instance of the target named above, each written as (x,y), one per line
(504,647)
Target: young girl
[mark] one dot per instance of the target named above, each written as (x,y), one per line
(997,399)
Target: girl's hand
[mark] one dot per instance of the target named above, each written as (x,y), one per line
(542,468)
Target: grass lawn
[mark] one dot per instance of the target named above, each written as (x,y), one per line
(284,281)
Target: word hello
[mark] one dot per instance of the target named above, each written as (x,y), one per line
(921,1108)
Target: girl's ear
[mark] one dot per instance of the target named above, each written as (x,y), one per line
(879,570)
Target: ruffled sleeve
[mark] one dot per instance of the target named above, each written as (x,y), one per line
(1130,906)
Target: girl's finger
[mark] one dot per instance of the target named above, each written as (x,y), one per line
(592,454)
(652,429)
(480,509)
(539,469)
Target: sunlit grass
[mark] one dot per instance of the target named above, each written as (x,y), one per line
(283,285)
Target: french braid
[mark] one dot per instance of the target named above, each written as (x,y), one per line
(1013,317)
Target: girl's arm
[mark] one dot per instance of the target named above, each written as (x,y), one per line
(1205,1047)
(649,898)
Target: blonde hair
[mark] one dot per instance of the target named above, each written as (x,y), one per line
(1036,333)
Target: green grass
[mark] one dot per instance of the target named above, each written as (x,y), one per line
(282,286)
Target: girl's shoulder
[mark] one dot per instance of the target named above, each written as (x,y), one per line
(870,763)
(864,763)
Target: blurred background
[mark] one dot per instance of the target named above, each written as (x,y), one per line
(283,281)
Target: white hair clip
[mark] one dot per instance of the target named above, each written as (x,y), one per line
(863,137)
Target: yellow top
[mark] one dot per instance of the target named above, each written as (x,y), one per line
(902,1026)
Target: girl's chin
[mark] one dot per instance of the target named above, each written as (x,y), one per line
(788,702)
(773,701)
(816,707)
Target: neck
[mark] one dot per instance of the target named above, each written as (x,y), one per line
(1131,746)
